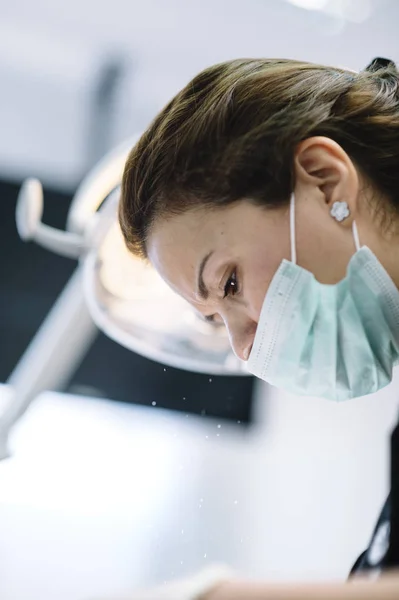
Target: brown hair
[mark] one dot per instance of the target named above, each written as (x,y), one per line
(232,131)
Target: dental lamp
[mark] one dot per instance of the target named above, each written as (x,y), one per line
(111,291)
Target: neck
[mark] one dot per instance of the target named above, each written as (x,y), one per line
(387,252)
(381,236)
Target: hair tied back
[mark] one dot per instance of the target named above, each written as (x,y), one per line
(379,63)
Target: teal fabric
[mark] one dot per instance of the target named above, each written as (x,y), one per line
(331,341)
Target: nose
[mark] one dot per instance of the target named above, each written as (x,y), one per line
(241,338)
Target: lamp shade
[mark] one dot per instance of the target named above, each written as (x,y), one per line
(132,305)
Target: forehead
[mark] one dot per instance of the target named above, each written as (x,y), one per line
(177,244)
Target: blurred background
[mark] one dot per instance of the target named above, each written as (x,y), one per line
(134,473)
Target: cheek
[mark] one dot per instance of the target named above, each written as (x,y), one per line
(262,264)
(265,260)
(256,287)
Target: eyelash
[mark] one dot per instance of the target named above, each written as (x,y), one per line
(231,287)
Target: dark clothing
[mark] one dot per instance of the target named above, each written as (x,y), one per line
(383,551)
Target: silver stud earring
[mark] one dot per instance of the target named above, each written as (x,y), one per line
(340,211)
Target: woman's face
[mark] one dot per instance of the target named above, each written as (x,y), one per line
(223,260)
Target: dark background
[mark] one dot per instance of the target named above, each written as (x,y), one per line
(31,279)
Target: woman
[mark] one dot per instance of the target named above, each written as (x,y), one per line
(259,183)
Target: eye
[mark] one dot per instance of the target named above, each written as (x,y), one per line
(231,287)
(211,319)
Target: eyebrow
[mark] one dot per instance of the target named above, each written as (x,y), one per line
(202,290)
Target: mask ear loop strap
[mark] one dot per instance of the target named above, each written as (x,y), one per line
(355,235)
(292,229)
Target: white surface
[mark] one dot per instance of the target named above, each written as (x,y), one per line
(99,497)
(51,53)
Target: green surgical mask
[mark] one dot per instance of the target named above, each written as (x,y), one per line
(332,341)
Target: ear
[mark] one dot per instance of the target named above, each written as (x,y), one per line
(324,172)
